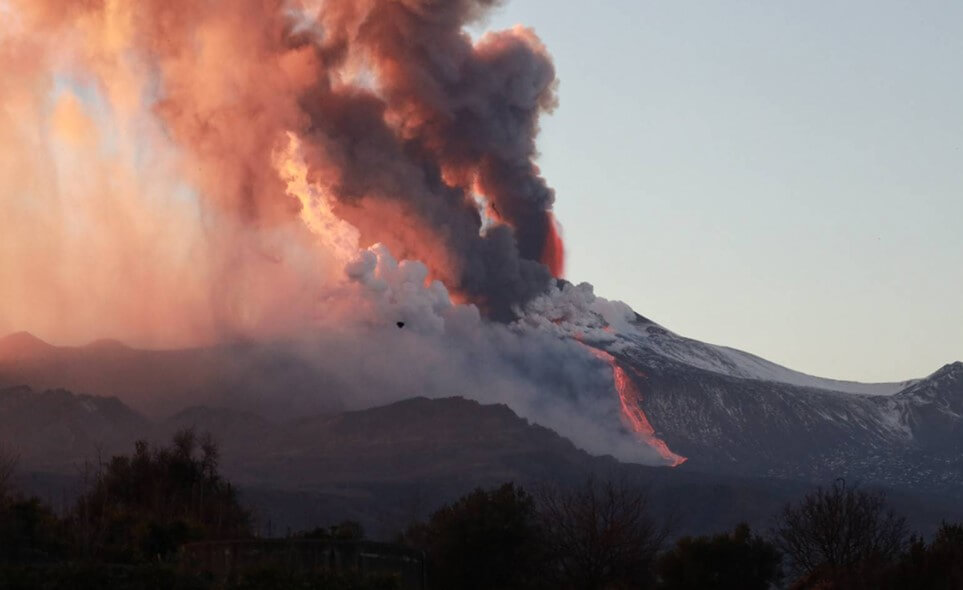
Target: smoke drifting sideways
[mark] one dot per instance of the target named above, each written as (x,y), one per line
(445,349)
(178,173)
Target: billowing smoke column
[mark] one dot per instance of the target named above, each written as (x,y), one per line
(180,172)
(449,118)
(403,119)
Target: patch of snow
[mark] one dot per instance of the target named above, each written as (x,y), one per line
(736,363)
(574,311)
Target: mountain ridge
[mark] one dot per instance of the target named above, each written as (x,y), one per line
(733,362)
(723,409)
(389,465)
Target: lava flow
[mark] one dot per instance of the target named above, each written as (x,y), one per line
(631,400)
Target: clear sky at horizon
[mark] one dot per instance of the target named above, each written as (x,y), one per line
(780,177)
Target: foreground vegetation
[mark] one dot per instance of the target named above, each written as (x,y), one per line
(601,536)
(125,532)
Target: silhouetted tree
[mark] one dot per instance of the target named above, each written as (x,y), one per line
(487,540)
(91,576)
(279,578)
(348,530)
(146,505)
(938,566)
(839,528)
(599,535)
(30,533)
(8,464)
(934,566)
(738,561)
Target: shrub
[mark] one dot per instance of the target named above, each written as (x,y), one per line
(737,561)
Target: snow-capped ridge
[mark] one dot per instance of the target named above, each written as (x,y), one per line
(574,311)
(944,385)
(740,364)
(950,370)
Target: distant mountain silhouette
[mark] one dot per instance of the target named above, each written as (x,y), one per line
(161,382)
(385,466)
(23,346)
(727,411)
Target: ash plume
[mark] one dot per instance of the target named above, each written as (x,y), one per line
(183,173)
(403,119)
(449,349)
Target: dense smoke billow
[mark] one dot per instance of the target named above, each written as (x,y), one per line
(446,349)
(178,172)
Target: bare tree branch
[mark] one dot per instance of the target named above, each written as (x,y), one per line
(839,528)
(600,535)
(8,466)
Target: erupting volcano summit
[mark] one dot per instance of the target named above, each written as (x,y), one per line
(182,173)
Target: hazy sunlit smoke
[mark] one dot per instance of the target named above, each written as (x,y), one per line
(399,116)
(94,222)
(175,172)
(334,234)
(601,327)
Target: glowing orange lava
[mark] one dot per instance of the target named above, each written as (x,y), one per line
(553,254)
(631,400)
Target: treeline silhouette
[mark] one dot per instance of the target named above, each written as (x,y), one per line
(127,528)
(603,536)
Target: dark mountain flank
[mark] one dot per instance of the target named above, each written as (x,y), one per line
(384,466)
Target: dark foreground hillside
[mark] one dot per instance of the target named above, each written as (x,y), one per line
(384,467)
(163,517)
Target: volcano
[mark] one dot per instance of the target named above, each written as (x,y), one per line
(293,210)
(724,410)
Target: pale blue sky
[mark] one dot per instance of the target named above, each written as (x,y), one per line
(781,177)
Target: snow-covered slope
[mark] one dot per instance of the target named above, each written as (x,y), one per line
(736,363)
(724,409)
(574,311)
(733,412)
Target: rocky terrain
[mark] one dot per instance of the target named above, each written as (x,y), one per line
(754,433)
(730,412)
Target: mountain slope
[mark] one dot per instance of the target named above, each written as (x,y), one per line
(932,410)
(23,346)
(730,416)
(389,465)
(725,410)
(162,382)
(655,342)
(57,430)
(732,412)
